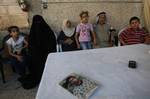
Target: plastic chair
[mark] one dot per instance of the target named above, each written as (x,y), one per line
(2,59)
(2,70)
(119,43)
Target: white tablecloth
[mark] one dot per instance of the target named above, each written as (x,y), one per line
(108,66)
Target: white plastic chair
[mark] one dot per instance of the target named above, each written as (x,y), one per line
(58,46)
(119,44)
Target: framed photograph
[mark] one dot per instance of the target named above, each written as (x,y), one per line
(79,86)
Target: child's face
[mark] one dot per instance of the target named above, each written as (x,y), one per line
(14,33)
(135,24)
(85,18)
(68,24)
(74,81)
(102,18)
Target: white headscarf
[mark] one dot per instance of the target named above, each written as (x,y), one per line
(98,15)
(67,31)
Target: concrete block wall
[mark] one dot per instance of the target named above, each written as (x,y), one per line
(119,11)
(11,14)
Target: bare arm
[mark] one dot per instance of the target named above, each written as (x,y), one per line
(94,37)
(122,42)
(147,39)
(123,36)
(26,44)
(10,51)
(77,40)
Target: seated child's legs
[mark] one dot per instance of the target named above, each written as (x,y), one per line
(19,67)
(22,67)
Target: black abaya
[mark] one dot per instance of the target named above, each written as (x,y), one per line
(42,41)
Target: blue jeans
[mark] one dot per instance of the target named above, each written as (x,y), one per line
(86,45)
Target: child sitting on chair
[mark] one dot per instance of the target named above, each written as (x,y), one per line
(134,34)
(16,43)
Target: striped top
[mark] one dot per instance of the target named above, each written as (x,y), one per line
(131,36)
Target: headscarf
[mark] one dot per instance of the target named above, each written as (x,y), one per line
(98,15)
(67,31)
(41,36)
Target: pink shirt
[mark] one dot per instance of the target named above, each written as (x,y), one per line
(84,32)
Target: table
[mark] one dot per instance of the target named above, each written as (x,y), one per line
(108,66)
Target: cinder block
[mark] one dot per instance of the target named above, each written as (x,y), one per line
(3,10)
(1,1)
(4,22)
(15,10)
(117,15)
(20,20)
(9,2)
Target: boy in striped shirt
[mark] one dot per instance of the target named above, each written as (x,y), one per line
(134,34)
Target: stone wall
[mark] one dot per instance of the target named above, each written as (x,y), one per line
(118,11)
(35,8)
(11,14)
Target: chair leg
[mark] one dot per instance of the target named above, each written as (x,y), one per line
(2,72)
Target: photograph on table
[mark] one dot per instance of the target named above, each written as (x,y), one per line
(79,86)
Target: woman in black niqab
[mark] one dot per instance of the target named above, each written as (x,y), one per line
(42,41)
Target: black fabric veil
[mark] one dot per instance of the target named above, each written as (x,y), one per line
(42,41)
(41,36)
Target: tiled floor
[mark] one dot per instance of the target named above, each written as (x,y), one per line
(12,89)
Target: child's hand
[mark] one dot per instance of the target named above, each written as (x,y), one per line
(18,53)
(78,46)
(19,58)
(94,42)
(147,39)
(110,44)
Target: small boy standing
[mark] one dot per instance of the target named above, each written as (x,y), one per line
(16,43)
(85,33)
